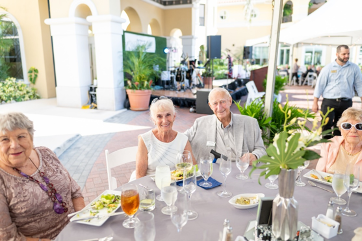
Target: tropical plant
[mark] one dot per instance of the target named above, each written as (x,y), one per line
(289,149)
(279,83)
(287,10)
(11,90)
(33,75)
(140,66)
(207,72)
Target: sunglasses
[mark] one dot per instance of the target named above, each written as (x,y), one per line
(348,126)
(160,98)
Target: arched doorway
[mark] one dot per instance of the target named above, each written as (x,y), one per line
(288,12)
(134,20)
(176,43)
(155,27)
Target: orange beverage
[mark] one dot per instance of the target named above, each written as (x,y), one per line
(130,201)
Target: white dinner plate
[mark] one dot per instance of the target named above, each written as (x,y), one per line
(96,221)
(324,174)
(239,206)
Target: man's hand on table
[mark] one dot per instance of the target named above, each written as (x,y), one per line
(252,158)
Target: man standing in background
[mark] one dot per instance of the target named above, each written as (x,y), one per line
(337,83)
(295,70)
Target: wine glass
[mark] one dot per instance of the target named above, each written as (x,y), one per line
(338,187)
(130,202)
(183,162)
(169,196)
(225,169)
(206,169)
(242,163)
(300,170)
(271,184)
(179,216)
(163,174)
(145,227)
(351,181)
(189,183)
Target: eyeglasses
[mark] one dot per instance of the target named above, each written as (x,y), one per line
(221,102)
(160,98)
(348,126)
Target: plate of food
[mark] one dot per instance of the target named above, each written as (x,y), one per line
(178,174)
(246,200)
(106,203)
(324,178)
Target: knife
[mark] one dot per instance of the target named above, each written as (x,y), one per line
(97,216)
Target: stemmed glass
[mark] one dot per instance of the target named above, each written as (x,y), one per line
(338,187)
(351,181)
(179,216)
(300,170)
(225,169)
(163,174)
(242,163)
(184,163)
(206,168)
(145,227)
(189,183)
(130,202)
(271,184)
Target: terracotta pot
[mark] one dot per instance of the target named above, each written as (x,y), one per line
(208,82)
(139,99)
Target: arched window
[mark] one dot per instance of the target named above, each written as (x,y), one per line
(149,30)
(288,12)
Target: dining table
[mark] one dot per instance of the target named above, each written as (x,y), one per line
(213,210)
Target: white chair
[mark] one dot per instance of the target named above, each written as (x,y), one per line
(283,74)
(118,158)
(311,78)
(314,82)
(253,93)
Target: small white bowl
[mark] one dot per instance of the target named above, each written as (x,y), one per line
(239,206)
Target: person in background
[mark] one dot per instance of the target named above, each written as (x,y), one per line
(309,70)
(225,132)
(36,191)
(318,70)
(337,83)
(313,68)
(345,149)
(295,70)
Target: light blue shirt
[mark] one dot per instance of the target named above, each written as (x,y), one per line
(337,81)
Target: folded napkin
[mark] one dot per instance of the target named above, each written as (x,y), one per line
(213,182)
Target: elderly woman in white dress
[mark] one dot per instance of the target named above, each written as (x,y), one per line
(160,145)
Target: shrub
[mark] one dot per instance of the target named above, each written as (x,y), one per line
(279,83)
(11,90)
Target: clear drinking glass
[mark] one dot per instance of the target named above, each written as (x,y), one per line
(183,162)
(147,200)
(189,183)
(351,181)
(242,163)
(169,196)
(300,170)
(179,216)
(206,168)
(225,169)
(338,187)
(162,171)
(271,184)
(145,227)
(130,201)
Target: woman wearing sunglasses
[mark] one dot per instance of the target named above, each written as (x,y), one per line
(160,145)
(36,191)
(346,148)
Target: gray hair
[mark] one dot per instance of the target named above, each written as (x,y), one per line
(350,114)
(16,120)
(216,90)
(339,48)
(162,105)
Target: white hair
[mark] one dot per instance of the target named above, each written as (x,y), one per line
(217,90)
(16,120)
(162,105)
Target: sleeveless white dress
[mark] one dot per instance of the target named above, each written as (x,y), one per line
(161,153)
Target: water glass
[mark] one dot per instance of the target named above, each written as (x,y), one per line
(300,170)
(147,198)
(145,227)
(130,201)
(179,216)
(163,174)
(271,184)
(183,163)
(206,169)
(169,196)
(351,181)
(189,183)
(338,187)
(242,163)
(225,169)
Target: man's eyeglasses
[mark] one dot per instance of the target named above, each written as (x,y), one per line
(348,126)
(160,98)
(221,102)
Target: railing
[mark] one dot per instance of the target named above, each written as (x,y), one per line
(287,19)
(172,2)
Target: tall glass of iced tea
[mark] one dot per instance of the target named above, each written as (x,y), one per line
(130,201)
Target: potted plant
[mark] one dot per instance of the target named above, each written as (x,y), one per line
(288,151)
(207,77)
(140,66)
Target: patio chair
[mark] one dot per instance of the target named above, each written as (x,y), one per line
(293,81)
(283,74)
(118,158)
(253,93)
(313,79)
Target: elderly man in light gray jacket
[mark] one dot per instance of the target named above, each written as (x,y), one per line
(225,132)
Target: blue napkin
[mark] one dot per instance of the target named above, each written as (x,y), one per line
(213,182)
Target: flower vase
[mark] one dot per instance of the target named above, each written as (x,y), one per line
(285,207)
